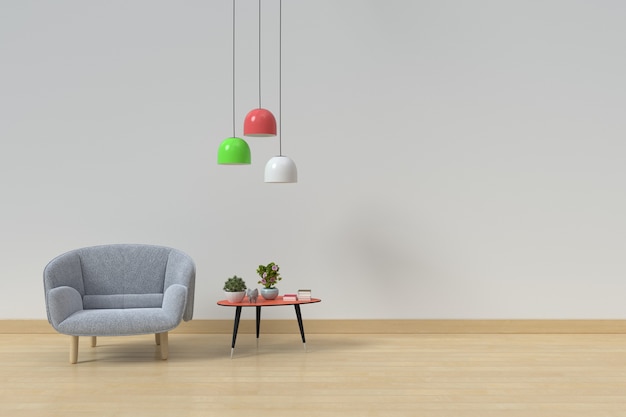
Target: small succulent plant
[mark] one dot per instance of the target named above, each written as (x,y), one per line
(235,284)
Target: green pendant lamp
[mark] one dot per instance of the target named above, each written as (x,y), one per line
(234,150)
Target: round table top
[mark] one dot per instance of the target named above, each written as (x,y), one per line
(262,302)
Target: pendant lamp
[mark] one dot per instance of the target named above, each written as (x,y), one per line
(280,169)
(259,122)
(233,150)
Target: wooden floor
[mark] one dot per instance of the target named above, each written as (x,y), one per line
(339,375)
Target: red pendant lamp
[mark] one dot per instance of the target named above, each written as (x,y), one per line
(259,122)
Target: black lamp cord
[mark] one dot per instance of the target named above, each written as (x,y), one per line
(233,68)
(280,77)
(259,54)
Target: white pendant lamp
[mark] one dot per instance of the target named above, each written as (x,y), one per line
(280,169)
(234,150)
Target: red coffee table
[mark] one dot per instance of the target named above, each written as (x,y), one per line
(261,302)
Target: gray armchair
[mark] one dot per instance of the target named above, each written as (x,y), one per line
(119,290)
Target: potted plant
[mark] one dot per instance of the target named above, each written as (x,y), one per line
(235,289)
(269,277)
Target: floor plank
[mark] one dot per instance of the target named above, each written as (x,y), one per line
(347,375)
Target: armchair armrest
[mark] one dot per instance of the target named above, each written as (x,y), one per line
(62,303)
(181,270)
(64,270)
(174,301)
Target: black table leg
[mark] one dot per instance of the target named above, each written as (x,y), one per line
(299,316)
(258,324)
(237,317)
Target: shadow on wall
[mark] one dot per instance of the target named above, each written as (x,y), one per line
(378,245)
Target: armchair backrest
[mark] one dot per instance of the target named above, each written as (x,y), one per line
(123,269)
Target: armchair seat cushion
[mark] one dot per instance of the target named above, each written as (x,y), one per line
(118,322)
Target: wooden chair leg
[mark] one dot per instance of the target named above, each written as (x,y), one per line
(157,338)
(94,340)
(164,345)
(74,349)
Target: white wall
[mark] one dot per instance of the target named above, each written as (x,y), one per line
(457,159)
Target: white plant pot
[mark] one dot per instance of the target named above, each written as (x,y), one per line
(235,297)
